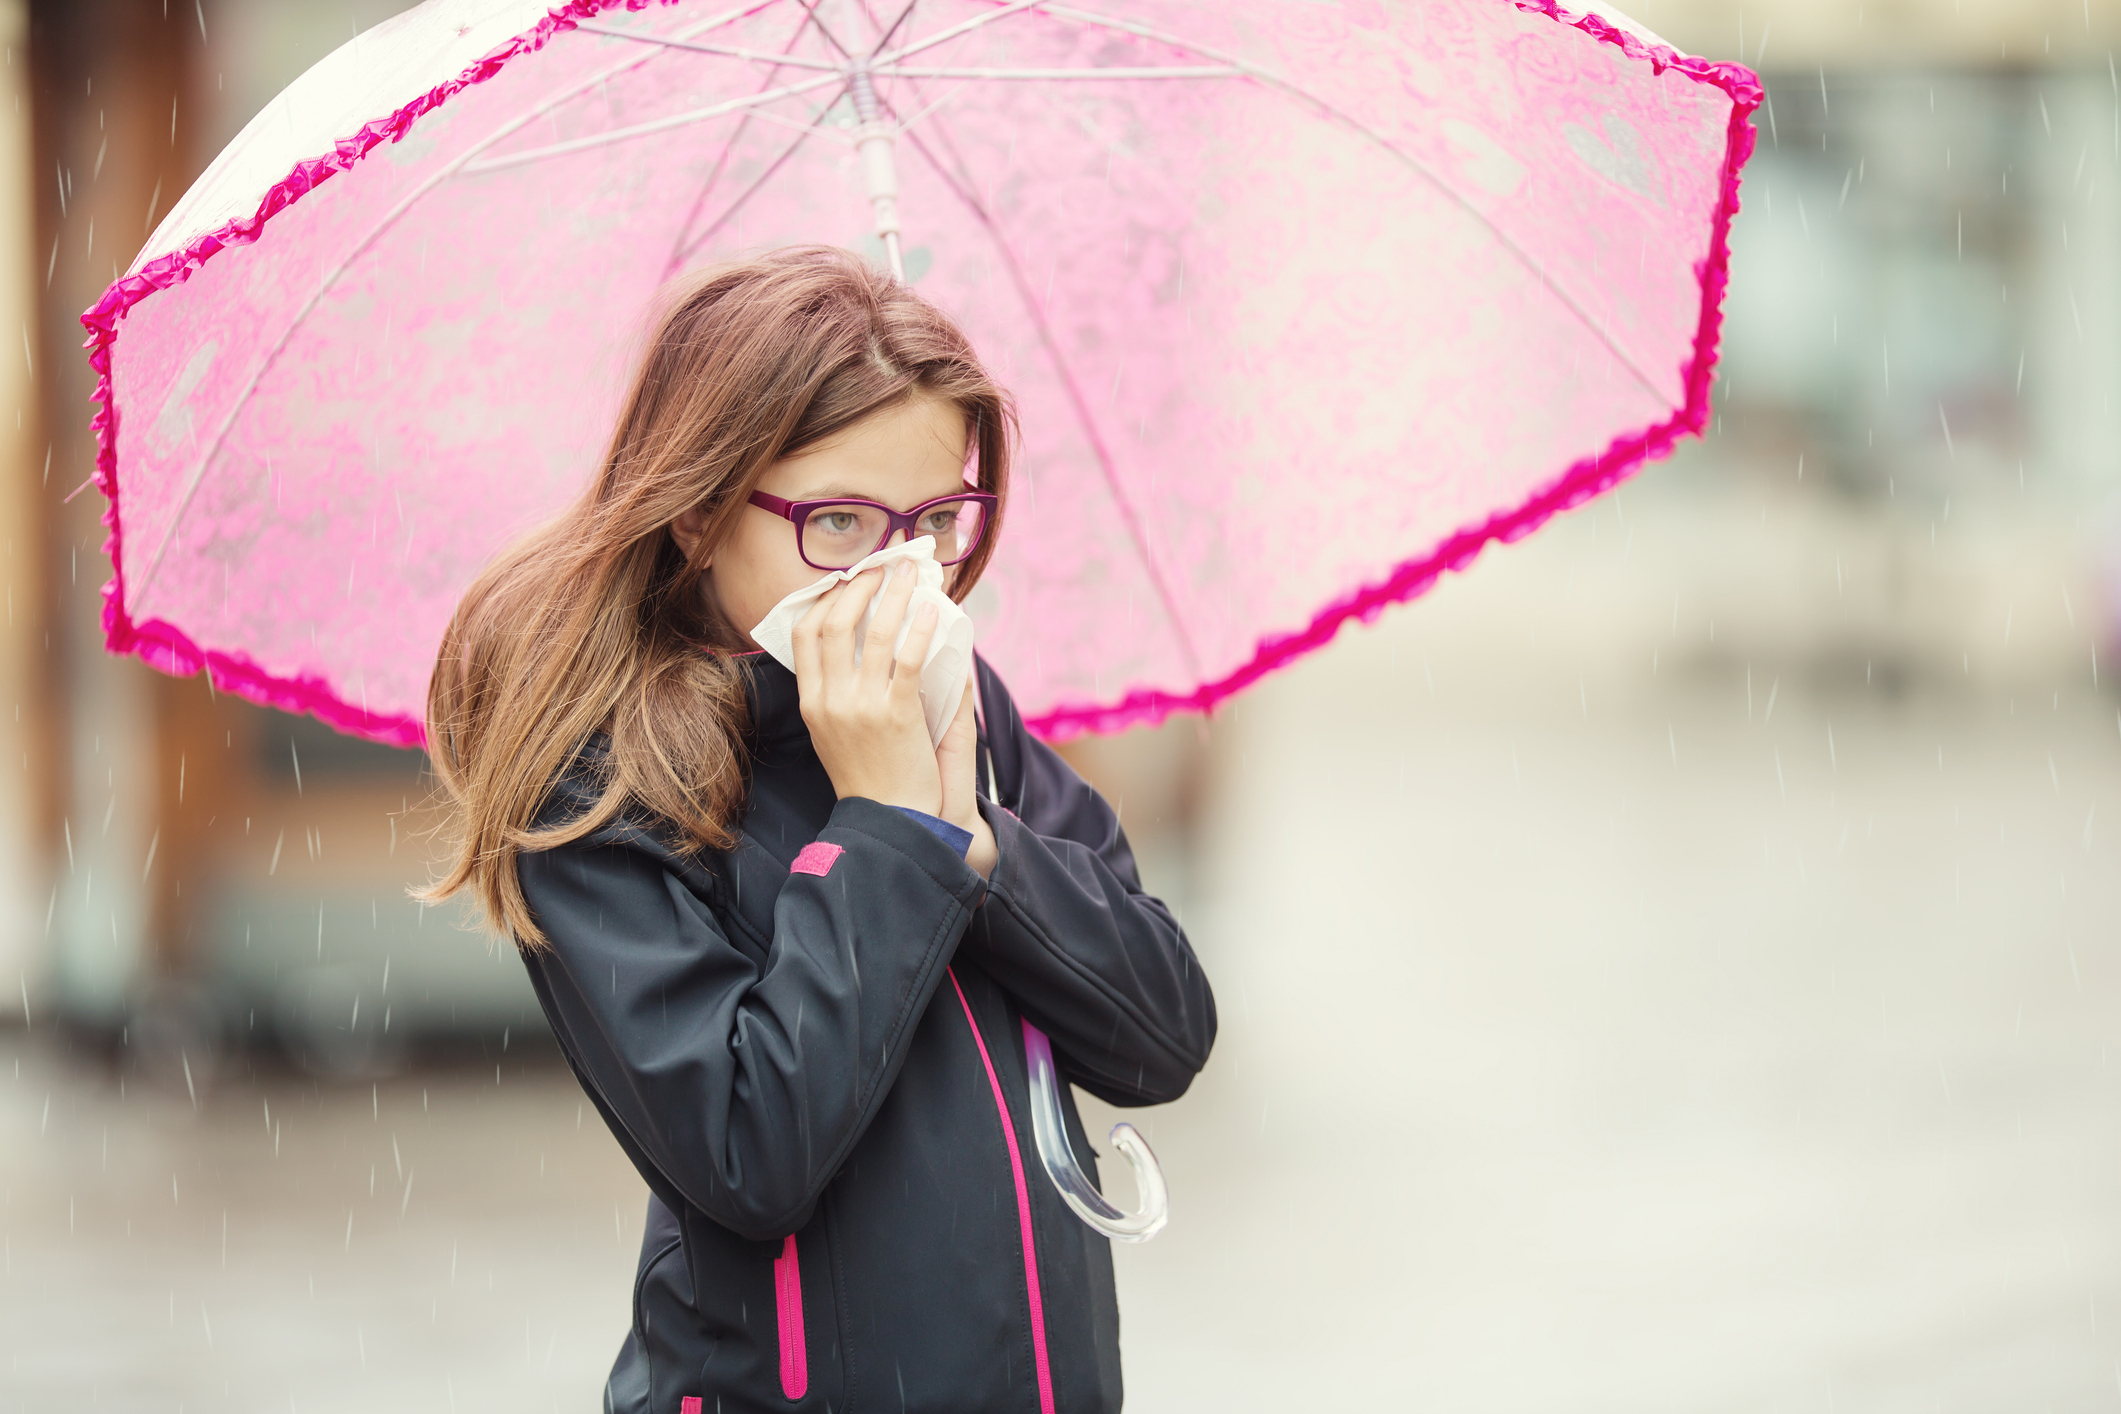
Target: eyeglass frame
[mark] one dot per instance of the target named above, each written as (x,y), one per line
(794,513)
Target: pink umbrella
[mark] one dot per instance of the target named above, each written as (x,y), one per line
(1303,304)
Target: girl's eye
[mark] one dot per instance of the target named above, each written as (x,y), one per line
(834,522)
(939,523)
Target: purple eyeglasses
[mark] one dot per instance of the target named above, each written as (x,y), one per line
(831,535)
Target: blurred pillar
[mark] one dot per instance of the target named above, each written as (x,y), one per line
(2073,370)
(24,786)
(115,107)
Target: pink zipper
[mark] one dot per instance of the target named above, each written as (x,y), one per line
(1023,1210)
(788,1308)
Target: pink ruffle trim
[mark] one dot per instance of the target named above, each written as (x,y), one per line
(164,646)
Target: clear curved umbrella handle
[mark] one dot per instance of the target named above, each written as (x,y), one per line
(1051,1134)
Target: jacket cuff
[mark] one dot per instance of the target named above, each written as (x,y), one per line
(902,831)
(956,836)
(1008,833)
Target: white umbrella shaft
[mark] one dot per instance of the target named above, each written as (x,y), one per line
(877,140)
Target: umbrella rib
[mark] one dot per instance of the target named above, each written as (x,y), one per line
(684,245)
(1081,405)
(950,32)
(810,8)
(756,55)
(331,276)
(919,113)
(1422,169)
(658,125)
(1200,72)
(892,28)
(738,204)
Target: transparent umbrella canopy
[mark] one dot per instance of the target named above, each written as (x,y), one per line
(1302,305)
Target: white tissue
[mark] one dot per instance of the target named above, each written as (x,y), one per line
(949,659)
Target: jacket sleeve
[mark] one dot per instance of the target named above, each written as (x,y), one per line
(743,1074)
(1098,965)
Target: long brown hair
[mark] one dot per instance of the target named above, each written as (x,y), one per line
(598,621)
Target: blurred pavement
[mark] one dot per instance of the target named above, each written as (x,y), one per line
(268,1252)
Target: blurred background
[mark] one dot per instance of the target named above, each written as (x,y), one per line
(1713,1008)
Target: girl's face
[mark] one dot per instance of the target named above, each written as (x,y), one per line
(900,456)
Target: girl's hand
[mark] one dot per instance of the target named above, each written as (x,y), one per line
(957,760)
(866,721)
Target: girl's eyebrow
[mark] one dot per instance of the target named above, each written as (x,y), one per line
(839,491)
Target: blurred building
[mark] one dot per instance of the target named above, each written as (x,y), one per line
(1923,339)
(192,872)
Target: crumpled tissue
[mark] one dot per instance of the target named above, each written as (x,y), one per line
(949,659)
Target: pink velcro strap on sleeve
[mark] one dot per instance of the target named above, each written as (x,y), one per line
(816,858)
(690,1404)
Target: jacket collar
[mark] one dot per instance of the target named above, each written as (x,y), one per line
(776,704)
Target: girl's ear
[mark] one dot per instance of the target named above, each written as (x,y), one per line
(687,529)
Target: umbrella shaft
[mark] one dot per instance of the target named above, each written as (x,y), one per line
(877,139)
(866,110)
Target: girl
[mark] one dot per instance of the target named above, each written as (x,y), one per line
(787,945)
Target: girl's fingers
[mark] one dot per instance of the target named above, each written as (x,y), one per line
(809,667)
(884,626)
(906,682)
(953,755)
(963,729)
(836,635)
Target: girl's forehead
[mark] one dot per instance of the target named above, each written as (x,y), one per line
(896,451)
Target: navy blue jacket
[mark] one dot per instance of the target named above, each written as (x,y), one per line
(811,1046)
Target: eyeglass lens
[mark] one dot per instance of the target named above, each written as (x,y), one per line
(836,536)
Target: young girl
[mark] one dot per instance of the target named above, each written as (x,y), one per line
(788,945)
